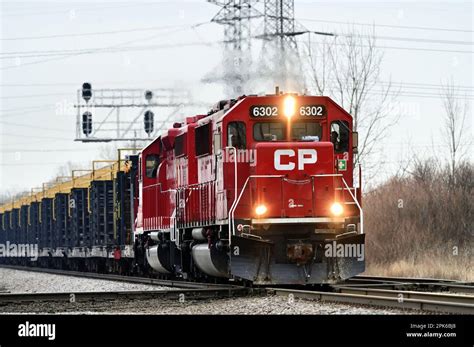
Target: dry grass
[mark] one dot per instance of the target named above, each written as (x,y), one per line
(422,225)
(427,267)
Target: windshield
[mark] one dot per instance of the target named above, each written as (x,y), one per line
(276,131)
(267,131)
(306,131)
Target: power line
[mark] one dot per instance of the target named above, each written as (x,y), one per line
(394,38)
(387,25)
(61,56)
(410,39)
(404,84)
(415,96)
(17,53)
(42,142)
(38,137)
(33,95)
(58,84)
(68,53)
(99,32)
(427,86)
(90,51)
(107,50)
(31,126)
(52,150)
(32,112)
(32,164)
(35,107)
(70,10)
(398,47)
(423,49)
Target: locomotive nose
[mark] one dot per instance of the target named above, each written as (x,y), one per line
(293,179)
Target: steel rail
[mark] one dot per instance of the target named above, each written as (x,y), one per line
(167,294)
(398,283)
(123,278)
(399,279)
(409,294)
(460,288)
(380,300)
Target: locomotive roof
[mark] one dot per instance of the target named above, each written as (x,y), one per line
(219,114)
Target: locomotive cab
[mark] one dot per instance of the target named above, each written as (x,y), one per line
(297,207)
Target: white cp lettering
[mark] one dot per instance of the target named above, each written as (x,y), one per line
(305,156)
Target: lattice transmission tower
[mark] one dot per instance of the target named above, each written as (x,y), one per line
(235,16)
(280,61)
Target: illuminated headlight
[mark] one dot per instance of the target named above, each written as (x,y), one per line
(261,209)
(289,106)
(337,209)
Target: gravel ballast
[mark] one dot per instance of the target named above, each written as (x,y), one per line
(19,281)
(269,305)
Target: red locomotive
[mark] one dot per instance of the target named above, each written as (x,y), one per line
(260,189)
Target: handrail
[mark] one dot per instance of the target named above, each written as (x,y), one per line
(358,206)
(235,180)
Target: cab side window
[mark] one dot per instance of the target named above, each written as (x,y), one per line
(152,162)
(180,145)
(202,140)
(236,135)
(340,136)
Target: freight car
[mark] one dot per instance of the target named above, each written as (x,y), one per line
(260,189)
(82,222)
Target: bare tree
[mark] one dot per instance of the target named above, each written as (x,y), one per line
(455,127)
(9,195)
(348,69)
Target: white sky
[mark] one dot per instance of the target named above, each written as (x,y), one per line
(37,135)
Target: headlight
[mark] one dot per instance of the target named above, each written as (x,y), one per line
(289,106)
(337,209)
(261,209)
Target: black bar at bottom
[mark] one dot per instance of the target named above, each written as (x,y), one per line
(444,330)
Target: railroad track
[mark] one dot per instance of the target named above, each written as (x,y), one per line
(170,294)
(433,302)
(395,292)
(407,283)
(123,278)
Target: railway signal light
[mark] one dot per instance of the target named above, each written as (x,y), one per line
(148,95)
(149,122)
(87,123)
(86,91)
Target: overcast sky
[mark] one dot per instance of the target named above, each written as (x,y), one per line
(178,48)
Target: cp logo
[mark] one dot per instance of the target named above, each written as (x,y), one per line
(305,156)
